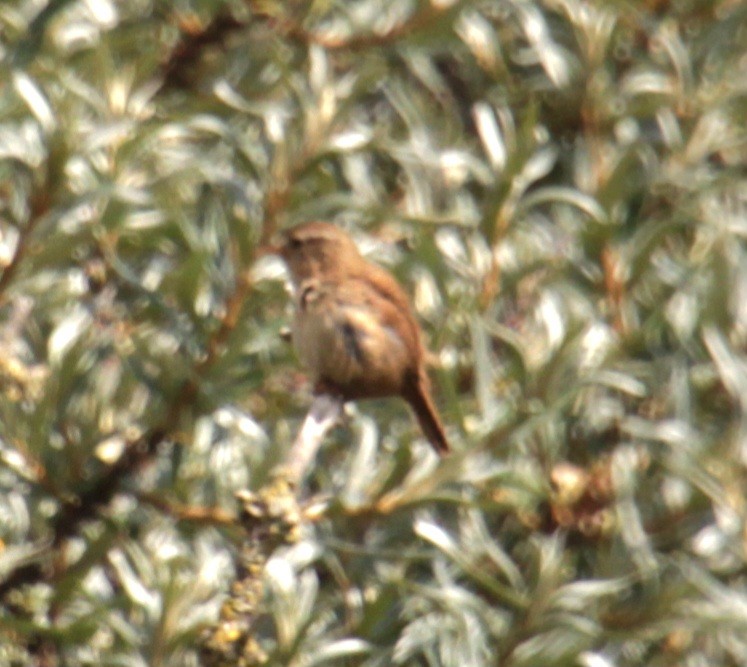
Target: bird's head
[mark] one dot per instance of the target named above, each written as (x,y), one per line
(317,250)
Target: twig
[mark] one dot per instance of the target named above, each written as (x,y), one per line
(324,413)
(39,206)
(423,19)
(214,516)
(614,286)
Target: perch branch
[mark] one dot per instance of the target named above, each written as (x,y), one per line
(324,413)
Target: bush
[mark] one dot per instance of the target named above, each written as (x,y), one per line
(559,184)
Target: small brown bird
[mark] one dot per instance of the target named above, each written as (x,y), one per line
(353,326)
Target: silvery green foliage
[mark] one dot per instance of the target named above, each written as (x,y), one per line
(559,183)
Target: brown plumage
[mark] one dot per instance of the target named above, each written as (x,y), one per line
(353,326)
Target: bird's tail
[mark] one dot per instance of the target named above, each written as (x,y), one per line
(418,395)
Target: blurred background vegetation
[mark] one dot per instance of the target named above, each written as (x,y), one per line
(560,184)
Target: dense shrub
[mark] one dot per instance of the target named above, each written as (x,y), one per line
(561,186)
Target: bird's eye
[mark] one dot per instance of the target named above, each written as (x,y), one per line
(295,243)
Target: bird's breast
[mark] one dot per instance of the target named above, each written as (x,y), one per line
(340,340)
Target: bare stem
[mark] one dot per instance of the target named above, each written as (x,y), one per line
(324,413)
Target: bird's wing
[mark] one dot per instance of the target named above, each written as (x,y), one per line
(381,304)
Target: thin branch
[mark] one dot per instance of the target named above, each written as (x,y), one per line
(325,412)
(39,206)
(429,16)
(214,516)
(614,286)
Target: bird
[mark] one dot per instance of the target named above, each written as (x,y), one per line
(353,327)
